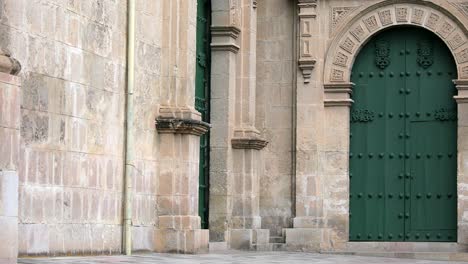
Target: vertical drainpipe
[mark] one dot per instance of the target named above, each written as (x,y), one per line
(129,133)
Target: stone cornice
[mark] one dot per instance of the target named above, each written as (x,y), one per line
(181,126)
(225,47)
(338,88)
(461,84)
(248,143)
(230,31)
(224,38)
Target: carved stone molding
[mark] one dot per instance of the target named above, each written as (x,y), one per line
(461,6)
(224,38)
(372,19)
(462,87)
(248,143)
(338,94)
(307,19)
(338,15)
(181,126)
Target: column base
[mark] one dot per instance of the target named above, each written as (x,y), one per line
(181,241)
(248,239)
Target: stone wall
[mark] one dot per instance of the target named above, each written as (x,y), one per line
(146,99)
(72,130)
(9,162)
(275,55)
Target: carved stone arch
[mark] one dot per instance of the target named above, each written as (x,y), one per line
(368,21)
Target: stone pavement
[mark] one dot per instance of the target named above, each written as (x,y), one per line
(236,257)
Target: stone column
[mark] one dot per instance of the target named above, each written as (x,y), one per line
(462,141)
(247,143)
(9,148)
(224,50)
(235,142)
(179,126)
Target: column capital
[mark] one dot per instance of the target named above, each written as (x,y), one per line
(338,94)
(224,38)
(462,87)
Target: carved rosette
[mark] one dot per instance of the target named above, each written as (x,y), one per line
(307,20)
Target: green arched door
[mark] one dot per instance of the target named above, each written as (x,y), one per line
(403,152)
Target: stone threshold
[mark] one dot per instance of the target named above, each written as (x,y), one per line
(445,251)
(439,256)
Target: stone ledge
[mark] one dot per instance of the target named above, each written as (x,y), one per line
(181,126)
(248,143)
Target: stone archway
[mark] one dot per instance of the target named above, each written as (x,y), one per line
(364,23)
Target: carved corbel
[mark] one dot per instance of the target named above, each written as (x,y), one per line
(8,64)
(307,16)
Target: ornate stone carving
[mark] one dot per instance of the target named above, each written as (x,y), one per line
(464,72)
(337,75)
(417,16)
(401,14)
(425,16)
(456,41)
(338,14)
(432,21)
(385,17)
(461,6)
(341,59)
(382,54)
(425,57)
(181,126)
(371,23)
(362,116)
(307,18)
(462,56)
(358,32)
(348,45)
(446,29)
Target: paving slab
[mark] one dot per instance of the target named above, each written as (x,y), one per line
(231,258)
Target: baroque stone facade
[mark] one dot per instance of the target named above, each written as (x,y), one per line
(279,125)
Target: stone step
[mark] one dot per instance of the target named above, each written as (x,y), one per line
(278,247)
(440,256)
(277,239)
(217,247)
